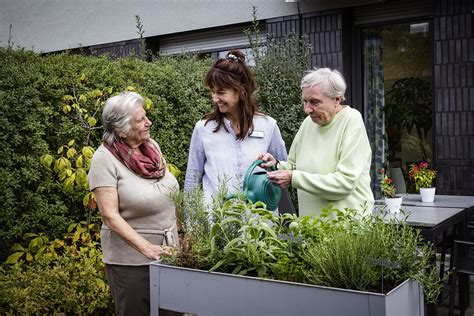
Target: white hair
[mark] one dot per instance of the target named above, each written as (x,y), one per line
(331,81)
(117,113)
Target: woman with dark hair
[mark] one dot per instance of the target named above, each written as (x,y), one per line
(225,142)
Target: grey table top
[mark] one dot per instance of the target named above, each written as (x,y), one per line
(424,216)
(449,201)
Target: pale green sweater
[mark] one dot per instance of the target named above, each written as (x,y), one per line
(331,164)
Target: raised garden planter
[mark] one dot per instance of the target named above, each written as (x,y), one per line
(212,293)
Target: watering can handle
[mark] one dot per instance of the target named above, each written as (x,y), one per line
(252,167)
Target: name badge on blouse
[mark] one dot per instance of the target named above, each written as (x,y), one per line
(257,134)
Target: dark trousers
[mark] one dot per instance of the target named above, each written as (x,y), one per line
(130,288)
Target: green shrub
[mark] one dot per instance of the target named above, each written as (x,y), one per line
(72,285)
(58,276)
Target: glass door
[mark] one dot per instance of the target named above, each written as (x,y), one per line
(398,97)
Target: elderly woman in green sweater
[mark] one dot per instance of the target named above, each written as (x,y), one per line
(330,157)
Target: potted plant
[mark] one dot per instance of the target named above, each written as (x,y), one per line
(423,177)
(392,201)
(246,260)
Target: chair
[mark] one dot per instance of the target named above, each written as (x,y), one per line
(462,267)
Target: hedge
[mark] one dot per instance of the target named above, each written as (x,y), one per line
(32,88)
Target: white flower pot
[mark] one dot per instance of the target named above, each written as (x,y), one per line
(427,194)
(393,204)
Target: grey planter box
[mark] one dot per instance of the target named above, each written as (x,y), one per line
(212,293)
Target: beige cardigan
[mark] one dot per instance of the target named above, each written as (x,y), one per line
(144,203)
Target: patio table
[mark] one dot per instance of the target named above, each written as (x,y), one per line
(456,201)
(435,219)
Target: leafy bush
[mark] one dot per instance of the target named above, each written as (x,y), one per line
(280,65)
(60,276)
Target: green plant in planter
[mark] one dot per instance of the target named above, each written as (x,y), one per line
(344,258)
(336,249)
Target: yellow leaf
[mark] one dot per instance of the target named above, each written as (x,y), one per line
(82,98)
(29,257)
(148,104)
(92,121)
(71,142)
(46,161)
(79,162)
(130,88)
(71,152)
(96,93)
(88,151)
(174,170)
(62,164)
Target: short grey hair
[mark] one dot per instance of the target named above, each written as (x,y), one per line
(331,81)
(117,113)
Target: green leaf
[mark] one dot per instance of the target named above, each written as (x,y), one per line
(14,257)
(217,265)
(17,247)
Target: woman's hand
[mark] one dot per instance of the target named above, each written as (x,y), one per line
(270,161)
(154,252)
(282,178)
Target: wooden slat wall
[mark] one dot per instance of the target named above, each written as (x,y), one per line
(454,96)
(325,34)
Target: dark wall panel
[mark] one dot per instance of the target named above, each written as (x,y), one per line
(324,30)
(453,50)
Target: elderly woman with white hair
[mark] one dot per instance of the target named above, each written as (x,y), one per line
(330,157)
(132,186)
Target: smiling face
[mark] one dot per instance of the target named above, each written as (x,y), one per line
(321,108)
(226,99)
(139,128)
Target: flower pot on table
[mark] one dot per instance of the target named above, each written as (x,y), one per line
(427,194)
(394,204)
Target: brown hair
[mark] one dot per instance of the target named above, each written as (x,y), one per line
(233,73)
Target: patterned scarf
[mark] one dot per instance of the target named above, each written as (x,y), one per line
(149,164)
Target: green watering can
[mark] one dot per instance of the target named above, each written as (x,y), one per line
(257,187)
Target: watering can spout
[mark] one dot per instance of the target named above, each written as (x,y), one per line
(257,187)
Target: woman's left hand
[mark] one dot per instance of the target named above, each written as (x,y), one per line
(282,178)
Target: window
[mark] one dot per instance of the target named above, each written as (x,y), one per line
(398,93)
